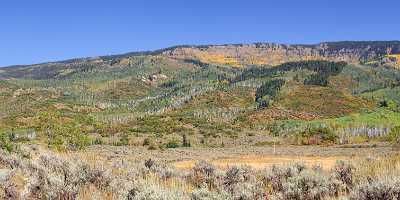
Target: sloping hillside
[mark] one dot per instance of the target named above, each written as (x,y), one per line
(206,93)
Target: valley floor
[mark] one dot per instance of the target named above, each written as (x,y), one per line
(256,157)
(243,172)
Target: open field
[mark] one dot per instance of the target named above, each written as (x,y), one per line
(109,172)
(261,162)
(223,158)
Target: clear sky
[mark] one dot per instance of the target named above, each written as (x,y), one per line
(34,31)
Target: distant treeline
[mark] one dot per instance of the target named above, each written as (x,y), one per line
(322,68)
(266,93)
(379,47)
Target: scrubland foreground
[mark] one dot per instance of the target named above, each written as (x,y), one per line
(122,173)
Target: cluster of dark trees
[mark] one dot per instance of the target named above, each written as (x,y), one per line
(197,62)
(268,91)
(321,77)
(316,79)
(169,84)
(325,68)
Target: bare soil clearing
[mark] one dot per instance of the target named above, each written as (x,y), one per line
(260,162)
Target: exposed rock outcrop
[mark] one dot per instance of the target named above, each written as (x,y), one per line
(274,54)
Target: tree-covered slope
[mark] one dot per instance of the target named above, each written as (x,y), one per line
(203,92)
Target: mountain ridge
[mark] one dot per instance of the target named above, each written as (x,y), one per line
(161,50)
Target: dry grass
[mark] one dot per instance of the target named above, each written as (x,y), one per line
(281,154)
(91,192)
(260,162)
(171,175)
(378,167)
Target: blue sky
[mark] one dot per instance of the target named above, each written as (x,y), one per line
(50,30)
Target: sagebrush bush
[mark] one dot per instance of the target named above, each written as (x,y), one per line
(100,177)
(388,189)
(203,193)
(53,177)
(235,175)
(150,163)
(241,183)
(162,171)
(10,160)
(276,176)
(297,182)
(10,192)
(147,141)
(50,176)
(151,191)
(307,185)
(203,173)
(344,172)
(248,191)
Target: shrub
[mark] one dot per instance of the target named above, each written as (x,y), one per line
(152,191)
(317,135)
(276,176)
(235,175)
(100,177)
(6,142)
(10,161)
(67,137)
(172,144)
(10,192)
(203,173)
(377,190)
(344,172)
(62,135)
(163,171)
(124,140)
(56,177)
(97,141)
(149,163)
(306,186)
(185,141)
(299,183)
(383,103)
(146,142)
(152,147)
(204,193)
(248,191)
(394,135)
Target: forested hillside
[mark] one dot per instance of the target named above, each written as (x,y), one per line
(203,95)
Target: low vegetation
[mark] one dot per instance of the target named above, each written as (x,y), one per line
(52,176)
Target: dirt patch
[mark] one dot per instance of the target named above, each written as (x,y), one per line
(260,162)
